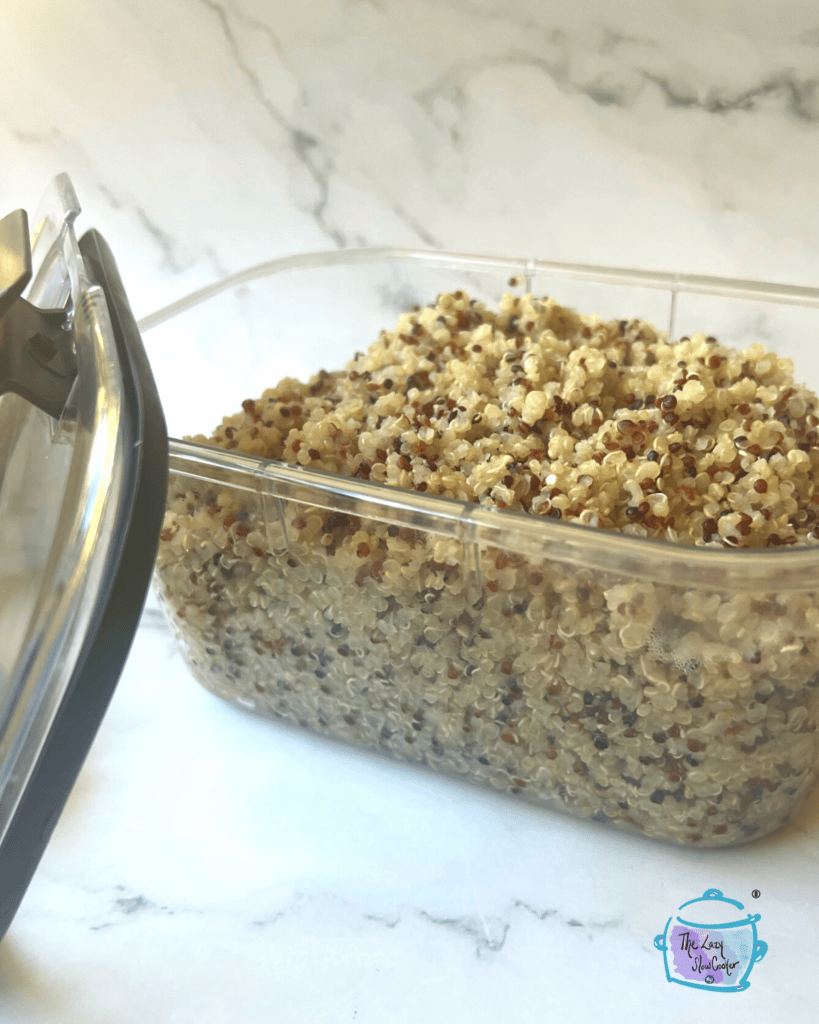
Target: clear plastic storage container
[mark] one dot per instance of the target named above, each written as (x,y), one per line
(650,686)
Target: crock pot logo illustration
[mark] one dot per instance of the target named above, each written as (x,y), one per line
(711,944)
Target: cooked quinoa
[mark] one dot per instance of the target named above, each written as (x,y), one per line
(686,713)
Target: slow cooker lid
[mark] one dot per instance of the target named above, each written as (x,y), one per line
(83,474)
(713,909)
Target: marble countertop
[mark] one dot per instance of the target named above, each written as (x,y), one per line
(213,867)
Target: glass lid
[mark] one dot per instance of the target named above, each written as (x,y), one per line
(83,471)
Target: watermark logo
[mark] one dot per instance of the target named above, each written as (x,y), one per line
(711,944)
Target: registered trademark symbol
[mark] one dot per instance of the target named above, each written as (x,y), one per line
(755,894)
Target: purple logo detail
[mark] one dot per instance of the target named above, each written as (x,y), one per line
(711,944)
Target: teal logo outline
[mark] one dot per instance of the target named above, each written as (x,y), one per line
(709,946)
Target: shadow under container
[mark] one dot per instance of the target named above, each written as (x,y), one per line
(664,689)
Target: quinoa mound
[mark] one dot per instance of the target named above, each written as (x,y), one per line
(535,408)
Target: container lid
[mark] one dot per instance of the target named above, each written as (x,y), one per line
(713,910)
(83,475)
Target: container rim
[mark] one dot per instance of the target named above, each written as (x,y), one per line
(674,283)
(642,558)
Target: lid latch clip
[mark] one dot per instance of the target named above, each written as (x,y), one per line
(36,354)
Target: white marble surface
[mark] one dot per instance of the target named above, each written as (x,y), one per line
(211,867)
